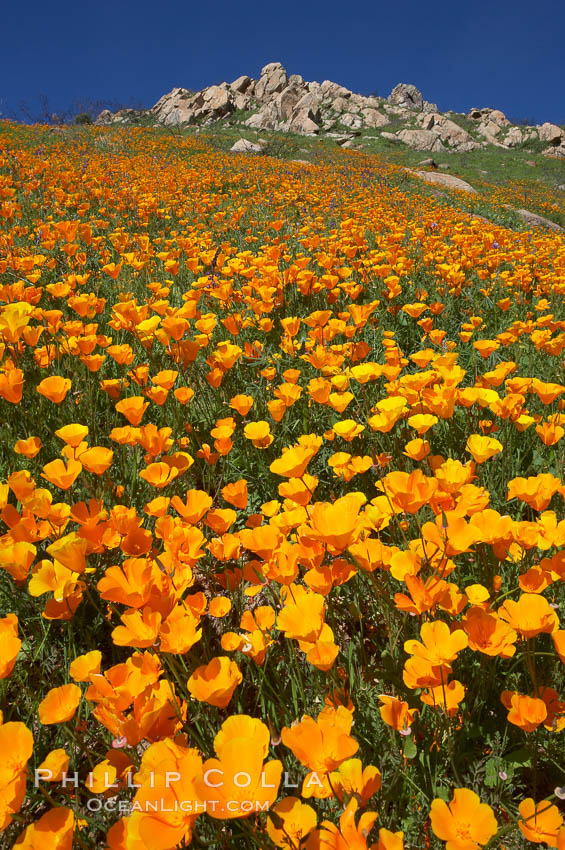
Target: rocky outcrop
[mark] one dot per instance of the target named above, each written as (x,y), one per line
(551,133)
(372,118)
(245,146)
(406,96)
(174,107)
(267,118)
(303,123)
(217,100)
(558,152)
(105,118)
(391,137)
(421,140)
(242,84)
(517,136)
(437,133)
(286,100)
(122,116)
(307,108)
(447,180)
(494,115)
(535,220)
(181,106)
(286,103)
(273,79)
(447,131)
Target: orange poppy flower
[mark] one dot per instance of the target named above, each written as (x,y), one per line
(54,388)
(206,452)
(259,433)
(389,840)
(323,744)
(388,412)
(10,644)
(349,835)
(196,503)
(236,493)
(140,628)
(445,697)
(537,491)
(338,524)
(112,269)
(158,506)
(219,606)
(295,821)
(397,713)
(540,822)
(302,616)
(523,711)
(133,408)
(215,682)
(53,829)
(181,461)
(299,490)
(483,448)
(72,435)
(408,492)
(242,404)
(288,394)
(16,742)
(240,775)
(422,422)
(59,705)
(61,475)
(417,449)
(28,448)
(439,645)
(180,631)
(70,551)
(162,815)
(348,429)
(352,780)
(97,459)
(54,765)
(17,558)
(465,823)
(84,667)
(555,720)
(159,474)
(559,642)
(155,440)
(486,347)
(183,394)
(12,385)
(488,634)
(293,462)
(530,615)
(14,318)
(319,390)
(221,519)
(550,432)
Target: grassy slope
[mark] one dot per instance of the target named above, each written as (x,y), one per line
(500,176)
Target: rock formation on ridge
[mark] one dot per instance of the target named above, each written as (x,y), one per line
(285,103)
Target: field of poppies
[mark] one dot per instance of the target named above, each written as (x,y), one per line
(281,505)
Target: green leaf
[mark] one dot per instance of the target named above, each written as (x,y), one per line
(491,773)
(410,749)
(442,792)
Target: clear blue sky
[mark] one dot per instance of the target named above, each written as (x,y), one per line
(508,54)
